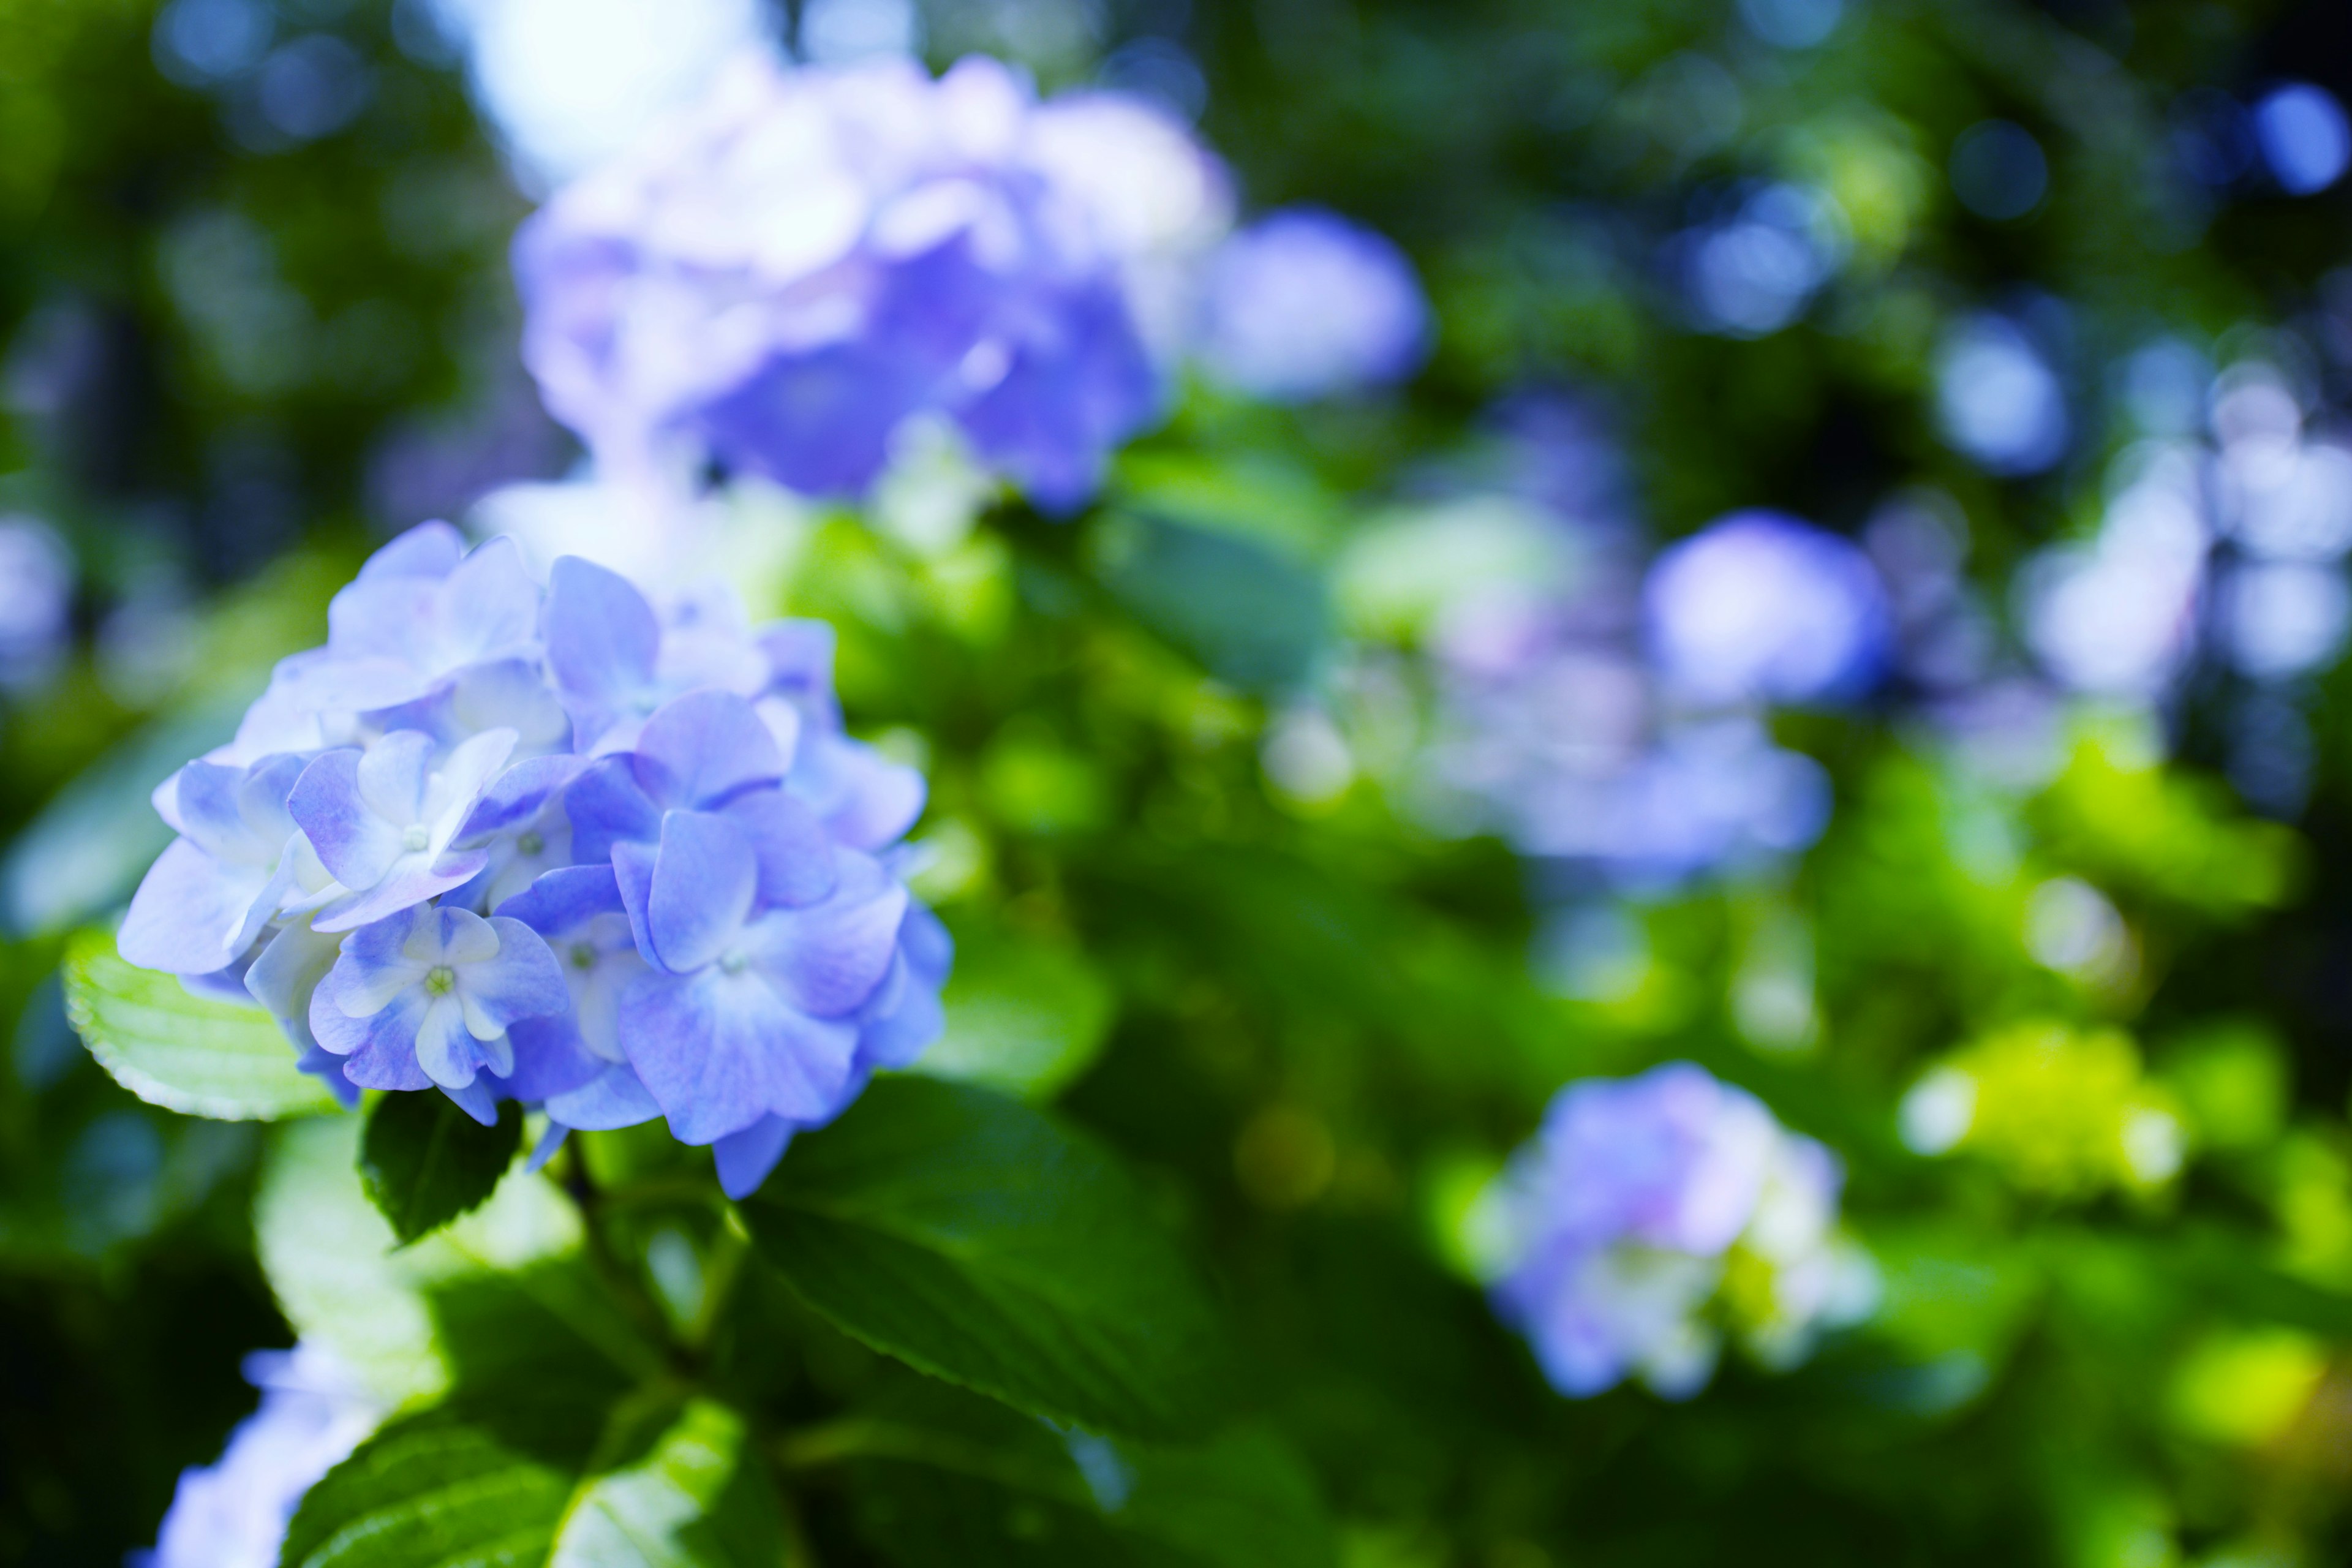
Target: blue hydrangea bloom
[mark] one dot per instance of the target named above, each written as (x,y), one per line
(425,997)
(1628,1209)
(613,859)
(1760,607)
(232,1513)
(1304,304)
(812,255)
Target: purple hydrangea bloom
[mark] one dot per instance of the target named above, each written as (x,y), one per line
(232,1513)
(1759,607)
(813,256)
(1625,1211)
(614,859)
(1304,304)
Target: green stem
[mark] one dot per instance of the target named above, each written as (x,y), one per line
(608,1264)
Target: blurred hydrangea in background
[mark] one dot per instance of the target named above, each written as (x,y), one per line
(1646,1206)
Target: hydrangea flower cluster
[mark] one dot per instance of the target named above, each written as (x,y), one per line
(554,845)
(1652,1213)
(1304,304)
(812,255)
(1762,607)
(234,1513)
(1612,716)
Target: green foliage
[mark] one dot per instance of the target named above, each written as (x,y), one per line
(1024,1015)
(504,1284)
(934,1477)
(186,1053)
(424,1162)
(441,1488)
(979,1241)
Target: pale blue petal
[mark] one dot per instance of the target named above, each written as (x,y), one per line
(429,550)
(700,749)
(517,796)
(411,881)
(522,981)
(354,842)
(745,1158)
(606,807)
(612,1099)
(633,871)
(379,1052)
(703,882)
(191,914)
(795,855)
(601,642)
(719,1050)
(477,1100)
(864,799)
(827,959)
(560,903)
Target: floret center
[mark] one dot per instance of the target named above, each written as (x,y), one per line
(582,956)
(416,838)
(440,980)
(533,844)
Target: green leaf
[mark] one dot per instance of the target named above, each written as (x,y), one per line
(977,1240)
(185,1053)
(455,1307)
(689,1502)
(531,1477)
(942,1478)
(446,1487)
(1023,1015)
(1248,614)
(424,1162)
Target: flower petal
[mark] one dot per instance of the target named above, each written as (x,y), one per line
(606,807)
(602,641)
(190,912)
(612,1099)
(700,749)
(795,855)
(864,799)
(550,1060)
(450,1055)
(393,775)
(718,1051)
(287,971)
(521,980)
(379,1052)
(633,871)
(409,881)
(429,550)
(745,1158)
(562,901)
(516,796)
(703,883)
(827,959)
(378,962)
(352,841)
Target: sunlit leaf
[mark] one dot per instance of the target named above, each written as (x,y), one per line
(185,1053)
